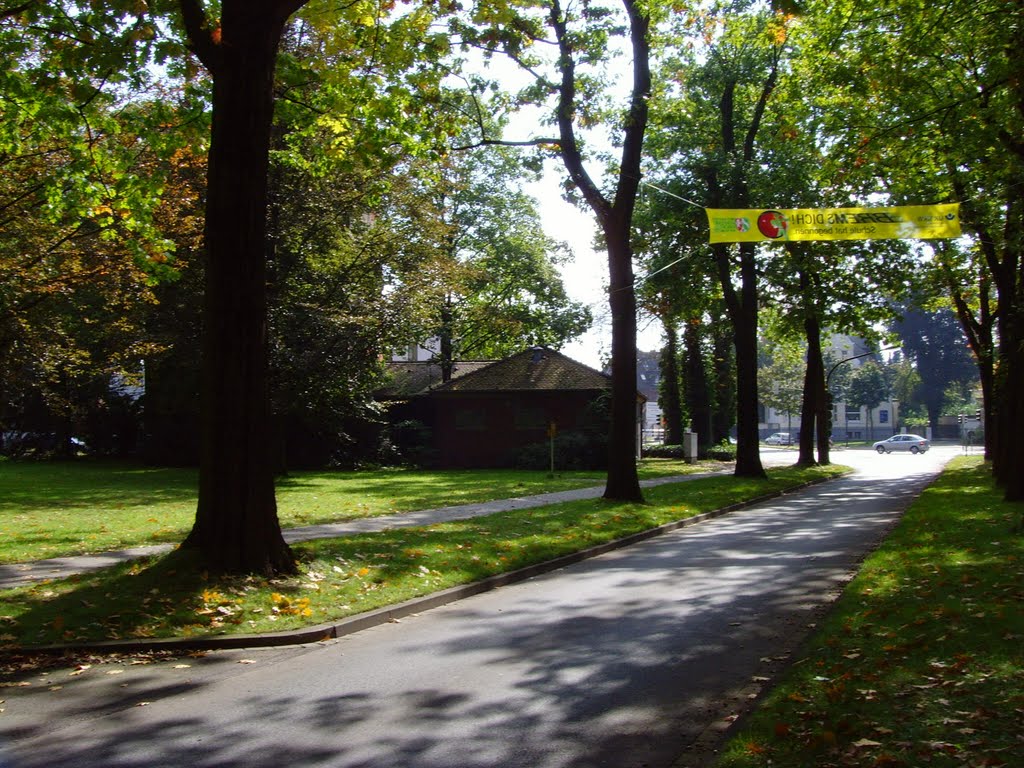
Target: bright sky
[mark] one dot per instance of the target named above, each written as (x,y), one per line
(586,277)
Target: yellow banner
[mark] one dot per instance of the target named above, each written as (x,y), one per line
(751,225)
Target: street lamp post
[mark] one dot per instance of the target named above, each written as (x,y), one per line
(828,378)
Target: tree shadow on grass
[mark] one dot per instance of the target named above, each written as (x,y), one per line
(30,485)
(121,602)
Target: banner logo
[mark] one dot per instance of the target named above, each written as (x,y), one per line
(772,224)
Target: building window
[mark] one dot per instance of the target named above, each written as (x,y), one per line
(852,414)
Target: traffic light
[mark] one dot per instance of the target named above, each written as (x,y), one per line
(960,418)
(977,414)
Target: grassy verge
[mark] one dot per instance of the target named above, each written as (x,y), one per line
(922,661)
(52,509)
(168,596)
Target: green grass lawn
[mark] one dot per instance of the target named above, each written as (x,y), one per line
(922,661)
(51,509)
(169,596)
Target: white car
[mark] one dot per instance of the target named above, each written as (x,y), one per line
(912,443)
(779,438)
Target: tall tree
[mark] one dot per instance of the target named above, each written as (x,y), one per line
(615,217)
(814,417)
(935,342)
(716,105)
(81,135)
(236,525)
(969,286)
(581,39)
(950,75)
(782,378)
(505,292)
(867,389)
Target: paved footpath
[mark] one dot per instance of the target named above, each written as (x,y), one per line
(23,574)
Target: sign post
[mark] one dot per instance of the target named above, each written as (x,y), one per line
(552,431)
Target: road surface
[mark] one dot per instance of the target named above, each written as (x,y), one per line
(636,658)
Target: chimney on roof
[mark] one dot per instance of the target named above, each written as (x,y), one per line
(537,356)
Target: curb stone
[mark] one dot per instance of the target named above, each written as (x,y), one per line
(392,613)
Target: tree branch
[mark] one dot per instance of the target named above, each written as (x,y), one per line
(506,143)
(200,37)
(572,157)
(726,107)
(759,108)
(7,13)
(636,120)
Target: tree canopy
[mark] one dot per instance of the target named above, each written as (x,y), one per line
(322,151)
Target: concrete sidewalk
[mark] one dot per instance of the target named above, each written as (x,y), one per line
(23,574)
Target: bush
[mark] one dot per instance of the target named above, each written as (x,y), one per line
(663,452)
(573,451)
(409,442)
(724,451)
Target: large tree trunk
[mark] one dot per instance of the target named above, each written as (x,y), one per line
(1009,411)
(616,218)
(236,526)
(743,313)
(815,402)
(1010,285)
(978,331)
(623,482)
(814,424)
(1007,408)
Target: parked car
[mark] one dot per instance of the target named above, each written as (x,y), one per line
(912,443)
(779,438)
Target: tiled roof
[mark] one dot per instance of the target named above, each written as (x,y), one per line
(407,379)
(534,369)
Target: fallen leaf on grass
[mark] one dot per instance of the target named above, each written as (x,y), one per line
(867,743)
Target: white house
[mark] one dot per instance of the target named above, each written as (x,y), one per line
(848,422)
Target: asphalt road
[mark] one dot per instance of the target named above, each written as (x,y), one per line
(640,657)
